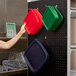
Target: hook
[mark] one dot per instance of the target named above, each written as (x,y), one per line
(37,8)
(56,6)
(46,6)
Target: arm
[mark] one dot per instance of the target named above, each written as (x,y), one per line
(13,41)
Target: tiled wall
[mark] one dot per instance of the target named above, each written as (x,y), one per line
(12,11)
(2,15)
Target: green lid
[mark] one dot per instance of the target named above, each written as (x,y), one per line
(51,18)
(59,20)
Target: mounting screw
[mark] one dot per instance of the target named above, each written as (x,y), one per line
(45,37)
(56,6)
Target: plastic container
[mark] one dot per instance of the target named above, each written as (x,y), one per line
(10,29)
(40,24)
(51,18)
(33,22)
(59,20)
(35,55)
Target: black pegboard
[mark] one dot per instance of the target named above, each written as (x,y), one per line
(55,42)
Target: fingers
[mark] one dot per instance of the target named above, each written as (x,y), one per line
(24,24)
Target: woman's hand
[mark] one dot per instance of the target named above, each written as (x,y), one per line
(14,40)
(22,30)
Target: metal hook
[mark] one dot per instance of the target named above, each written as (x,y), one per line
(37,8)
(46,6)
(56,6)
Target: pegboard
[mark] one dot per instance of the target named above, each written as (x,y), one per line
(55,42)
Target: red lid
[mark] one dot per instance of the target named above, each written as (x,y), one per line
(31,21)
(40,24)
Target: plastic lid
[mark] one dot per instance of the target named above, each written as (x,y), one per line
(31,21)
(40,24)
(35,55)
(59,20)
(51,18)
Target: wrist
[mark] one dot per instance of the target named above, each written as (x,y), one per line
(20,33)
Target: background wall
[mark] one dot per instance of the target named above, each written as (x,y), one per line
(55,42)
(12,11)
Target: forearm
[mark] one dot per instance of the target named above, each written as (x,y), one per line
(14,40)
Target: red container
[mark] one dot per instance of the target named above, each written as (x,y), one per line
(33,22)
(40,24)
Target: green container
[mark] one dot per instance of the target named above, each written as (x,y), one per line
(59,20)
(52,18)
